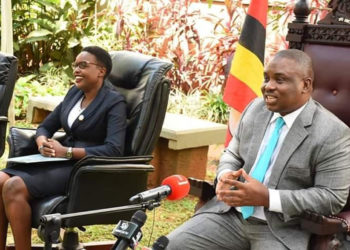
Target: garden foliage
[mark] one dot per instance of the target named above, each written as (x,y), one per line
(50,33)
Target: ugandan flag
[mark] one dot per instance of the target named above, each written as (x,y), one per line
(247,68)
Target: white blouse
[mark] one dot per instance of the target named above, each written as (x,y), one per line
(75,112)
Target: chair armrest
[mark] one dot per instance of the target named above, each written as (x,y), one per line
(105,164)
(111,165)
(101,160)
(345,218)
(22,141)
(202,189)
(326,225)
(116,166)
(3,119)
(101,186)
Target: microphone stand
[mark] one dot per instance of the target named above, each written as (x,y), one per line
(50,224)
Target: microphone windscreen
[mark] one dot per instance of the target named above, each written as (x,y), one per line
(139,217)
(179,186)
(161,243)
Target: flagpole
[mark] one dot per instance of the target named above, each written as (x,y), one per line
(6,27)
(7,42)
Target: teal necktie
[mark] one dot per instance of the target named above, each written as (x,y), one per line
(264,162)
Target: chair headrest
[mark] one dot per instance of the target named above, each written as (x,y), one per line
(141,80)
(127,68)
(5,63)
(331,85)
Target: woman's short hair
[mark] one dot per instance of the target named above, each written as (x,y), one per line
(102,57)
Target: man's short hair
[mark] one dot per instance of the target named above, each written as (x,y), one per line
(102,57)
(300,57)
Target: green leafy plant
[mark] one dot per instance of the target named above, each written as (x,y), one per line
(214,108)
(51,82)
(50,31)
(201,104)
(185,103)
(169,29)
(48,34)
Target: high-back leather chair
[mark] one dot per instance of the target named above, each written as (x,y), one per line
(8,73)
(105,182)
(328,44)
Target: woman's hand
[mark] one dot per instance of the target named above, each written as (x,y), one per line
(56,149)
(43,145)
(50,147)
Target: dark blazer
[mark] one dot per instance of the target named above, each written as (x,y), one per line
(311,171)
(101,127)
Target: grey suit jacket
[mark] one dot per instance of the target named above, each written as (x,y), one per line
(311,171)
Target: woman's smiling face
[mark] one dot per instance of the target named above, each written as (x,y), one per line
(87,71)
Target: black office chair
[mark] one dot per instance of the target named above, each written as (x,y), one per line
(104,182)
(8,72)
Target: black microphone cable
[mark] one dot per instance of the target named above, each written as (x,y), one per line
(152,227)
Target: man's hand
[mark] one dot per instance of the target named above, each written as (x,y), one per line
(223,185)
(249,193)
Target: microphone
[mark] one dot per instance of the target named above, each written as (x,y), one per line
(129,233)
(161,243)
(175,187)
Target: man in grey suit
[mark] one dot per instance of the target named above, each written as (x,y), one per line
(308,168)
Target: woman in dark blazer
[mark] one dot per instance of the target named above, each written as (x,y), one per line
(94,119)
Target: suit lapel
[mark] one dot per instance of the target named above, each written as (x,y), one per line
(260,124)
(90,109)
(294,138)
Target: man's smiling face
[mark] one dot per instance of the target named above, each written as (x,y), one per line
(285,87)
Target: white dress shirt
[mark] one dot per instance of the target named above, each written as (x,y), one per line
(274,196)
(75,112)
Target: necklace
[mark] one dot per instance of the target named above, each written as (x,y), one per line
(80,105)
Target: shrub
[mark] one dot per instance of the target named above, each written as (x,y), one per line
(51,82)
(214,108)
(50,31)
(201,104)
(168,29)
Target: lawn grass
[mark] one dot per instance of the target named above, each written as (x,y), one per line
(161,220)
